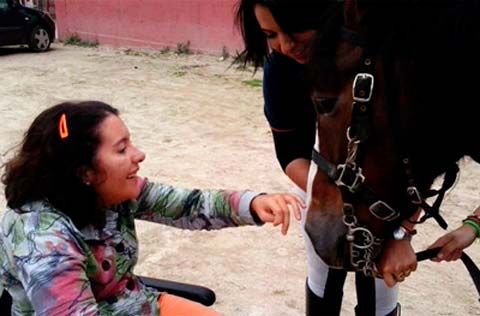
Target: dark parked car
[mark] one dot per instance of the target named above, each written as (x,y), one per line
(21,25)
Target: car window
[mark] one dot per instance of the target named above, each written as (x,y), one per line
(3,4)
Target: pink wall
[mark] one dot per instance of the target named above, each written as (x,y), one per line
(207,24)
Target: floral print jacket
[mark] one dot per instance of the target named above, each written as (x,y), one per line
(50,267)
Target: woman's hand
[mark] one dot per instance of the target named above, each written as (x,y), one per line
(453,243)
(397,261)
(275,208)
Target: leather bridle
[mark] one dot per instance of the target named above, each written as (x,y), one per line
(364,246)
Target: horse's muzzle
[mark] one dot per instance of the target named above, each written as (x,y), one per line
(327,234)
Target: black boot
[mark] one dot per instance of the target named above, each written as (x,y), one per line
(365,286)
(317,306)
(397,311)
(313,304)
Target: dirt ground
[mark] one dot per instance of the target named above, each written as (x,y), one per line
(201,125)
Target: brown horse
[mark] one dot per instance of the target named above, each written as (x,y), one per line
(396,94)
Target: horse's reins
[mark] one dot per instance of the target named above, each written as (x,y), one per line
(467,261)
(364,245)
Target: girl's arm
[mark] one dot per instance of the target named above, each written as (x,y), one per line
(212,209)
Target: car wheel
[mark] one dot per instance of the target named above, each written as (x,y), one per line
(39,39)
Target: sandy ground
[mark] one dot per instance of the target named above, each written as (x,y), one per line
(202,126)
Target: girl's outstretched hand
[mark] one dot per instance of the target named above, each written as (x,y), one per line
(275,208)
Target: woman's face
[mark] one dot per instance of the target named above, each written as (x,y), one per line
(116,164)
(295,46)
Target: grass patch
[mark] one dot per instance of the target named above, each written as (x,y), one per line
(183,48)
(75,40)
(253,83)
(179,73)
(132,52)
(165,50)
(225,53)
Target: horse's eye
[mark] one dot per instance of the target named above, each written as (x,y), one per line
(323,105)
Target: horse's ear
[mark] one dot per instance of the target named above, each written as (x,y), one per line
(353,11)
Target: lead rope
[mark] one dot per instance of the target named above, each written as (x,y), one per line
(467,261)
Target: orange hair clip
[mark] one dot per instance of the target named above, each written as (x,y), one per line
(62,126)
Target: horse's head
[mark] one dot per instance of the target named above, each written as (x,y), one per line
(387,105)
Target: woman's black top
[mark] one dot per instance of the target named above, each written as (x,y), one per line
(288,108)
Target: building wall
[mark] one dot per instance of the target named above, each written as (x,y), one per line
(208,25)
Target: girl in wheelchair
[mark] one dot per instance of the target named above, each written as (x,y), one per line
(68,244)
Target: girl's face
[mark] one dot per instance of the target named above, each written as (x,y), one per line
(117,162)
(295,46)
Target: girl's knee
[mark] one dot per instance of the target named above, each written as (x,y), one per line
(171,305)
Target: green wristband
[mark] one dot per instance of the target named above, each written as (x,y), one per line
(474,225)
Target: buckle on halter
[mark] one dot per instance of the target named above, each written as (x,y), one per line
(362,87)
(414,195)
(383,211)
(350,176)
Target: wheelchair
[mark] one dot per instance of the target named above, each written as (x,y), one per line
(192,292)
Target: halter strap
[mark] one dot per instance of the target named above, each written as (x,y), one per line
(353,37)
